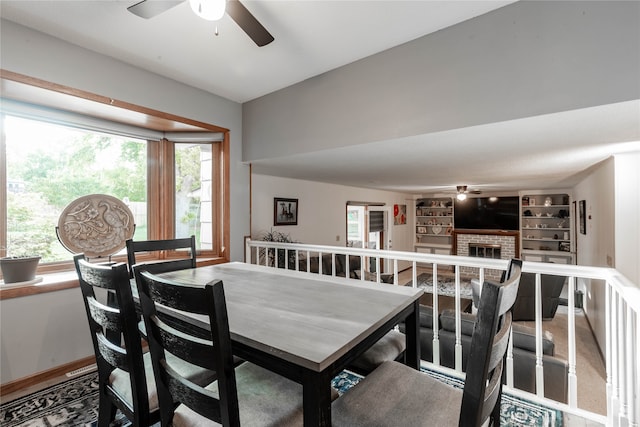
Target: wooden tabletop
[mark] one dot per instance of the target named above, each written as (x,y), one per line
(305,320)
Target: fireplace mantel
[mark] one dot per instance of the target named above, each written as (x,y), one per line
(501,233)
(508,241)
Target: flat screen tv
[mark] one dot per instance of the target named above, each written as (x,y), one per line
(487,213)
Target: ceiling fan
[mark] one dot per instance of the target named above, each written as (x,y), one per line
(237,11)
(462,192)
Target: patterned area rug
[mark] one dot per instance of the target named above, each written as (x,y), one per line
(514,411)
(446,286)
(75,403)
(70,403)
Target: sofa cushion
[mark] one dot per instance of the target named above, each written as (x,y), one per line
(524,337)
(373,277)
(448,322)
(426,316)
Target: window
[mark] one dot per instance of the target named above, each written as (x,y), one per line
(49,166)
(172,175)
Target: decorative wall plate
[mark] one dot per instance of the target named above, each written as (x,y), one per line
(97,225)
(437,229)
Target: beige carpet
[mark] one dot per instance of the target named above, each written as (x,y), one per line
(590,368)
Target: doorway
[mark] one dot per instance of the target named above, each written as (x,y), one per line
(369,226)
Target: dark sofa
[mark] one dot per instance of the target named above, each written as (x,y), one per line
(327,265)
(524,307)
(550,286)
(524,352)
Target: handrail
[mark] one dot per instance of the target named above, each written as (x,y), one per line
(622,317)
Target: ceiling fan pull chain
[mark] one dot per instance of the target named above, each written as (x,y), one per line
(216,32)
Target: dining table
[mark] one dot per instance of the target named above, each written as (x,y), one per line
(304,326)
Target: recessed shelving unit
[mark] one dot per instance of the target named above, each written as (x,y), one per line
(434,224)
(546,227)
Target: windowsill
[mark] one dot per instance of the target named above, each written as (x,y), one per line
(52,282)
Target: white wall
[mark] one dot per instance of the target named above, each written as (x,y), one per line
(322,210)
(627,216)
(597,246)
(612,194)
(525,59)
(44,331)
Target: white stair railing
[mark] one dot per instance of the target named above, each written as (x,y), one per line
(622,317)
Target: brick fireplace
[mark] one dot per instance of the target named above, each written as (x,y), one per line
(486,244)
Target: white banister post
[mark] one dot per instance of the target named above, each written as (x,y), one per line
(435,321)
(347,266)
(395,271)
(538,312)
(573,383)
(458,346)
(623,349)
(636,364)
(612,400)
(620,355)
(286,258)
(510,360)
(414,274)
(333,264)
(615,365)
(630,370)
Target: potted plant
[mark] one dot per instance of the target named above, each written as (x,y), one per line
(280,237)
(21,254)
(19,268)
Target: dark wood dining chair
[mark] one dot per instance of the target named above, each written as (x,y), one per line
(125,372)
(397,395)
(247,395)
(176,245)
(122,372)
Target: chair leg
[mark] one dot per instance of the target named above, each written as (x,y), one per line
(494,418)
(106,411)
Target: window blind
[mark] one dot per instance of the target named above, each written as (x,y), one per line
(376,221)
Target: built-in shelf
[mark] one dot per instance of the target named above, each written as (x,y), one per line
(546,227)
(433,222)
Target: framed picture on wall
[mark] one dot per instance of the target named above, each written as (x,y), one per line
(285,211)
(399,214)
(582,216)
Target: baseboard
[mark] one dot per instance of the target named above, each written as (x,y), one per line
(40,377)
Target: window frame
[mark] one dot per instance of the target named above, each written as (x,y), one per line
(160,162)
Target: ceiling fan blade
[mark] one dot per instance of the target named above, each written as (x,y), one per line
(248,23)
(149,8)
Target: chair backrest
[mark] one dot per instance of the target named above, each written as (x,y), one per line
(157,294)
(114,332)
(483,381)
(189,243)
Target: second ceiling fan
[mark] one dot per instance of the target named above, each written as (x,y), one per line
(237,11)
(461,192)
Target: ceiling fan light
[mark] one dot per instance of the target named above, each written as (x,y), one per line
(211,10)
(461,196)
